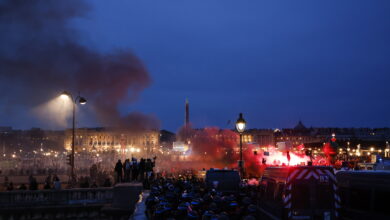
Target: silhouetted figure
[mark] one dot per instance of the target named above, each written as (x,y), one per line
(134,169)
(6,181)
(23,187)
(10,186)
(48,179)
(127,170)
(141,168)
(33,183)
(94,185)
(47,185)
(149,167)
(93,171)
(84,182)
(107,183)
(56,183)
(118,170)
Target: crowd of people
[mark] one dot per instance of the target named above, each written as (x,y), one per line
(134,170)
(190,198)
(51,182)
(96,176)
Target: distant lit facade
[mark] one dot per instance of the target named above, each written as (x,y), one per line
(28,140)
(261,137)
(106,139)
(366,137)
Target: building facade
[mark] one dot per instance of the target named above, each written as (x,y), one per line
(107,139)
(261,137)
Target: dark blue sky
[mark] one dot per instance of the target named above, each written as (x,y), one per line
(323,62)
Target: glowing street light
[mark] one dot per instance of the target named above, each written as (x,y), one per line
(81,100)
(240,126)
(64,96)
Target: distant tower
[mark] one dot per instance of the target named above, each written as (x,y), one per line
(187,115)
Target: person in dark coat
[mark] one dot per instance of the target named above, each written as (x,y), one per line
(33,183)
(141,168)
(127,170)
(134,169)
(10,186)
(107,183)
(23,187)
(118,170)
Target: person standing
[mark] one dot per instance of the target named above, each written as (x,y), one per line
(10,186)
(33,183)
(142,169)
(126,170)
(148,168)
(118,170)
(134,169)
(57,182)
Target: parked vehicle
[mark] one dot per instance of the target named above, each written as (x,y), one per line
(299,192)
(223,180)
(364,194)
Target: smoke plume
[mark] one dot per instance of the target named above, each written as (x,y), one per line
(219,148)
(40,56)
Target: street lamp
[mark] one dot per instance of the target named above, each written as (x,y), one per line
(82,101)
(240,126)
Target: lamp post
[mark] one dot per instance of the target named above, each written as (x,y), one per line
(240,126)
(82,101)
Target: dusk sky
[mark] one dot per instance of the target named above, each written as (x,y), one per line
(323,62)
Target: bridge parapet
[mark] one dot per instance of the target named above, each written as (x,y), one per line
(109,203)
(76,196)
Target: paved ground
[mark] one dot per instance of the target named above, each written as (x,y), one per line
(139,213)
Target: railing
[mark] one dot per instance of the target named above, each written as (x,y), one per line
(22,198)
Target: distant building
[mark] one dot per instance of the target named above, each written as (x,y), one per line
(317,136)
(30,140)
(4,129)
(261,137)
(297,135)
(166,139)
(106,139)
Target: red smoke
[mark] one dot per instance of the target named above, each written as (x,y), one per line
(219,148)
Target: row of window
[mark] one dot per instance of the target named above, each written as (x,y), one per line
(111,143)
(112,137)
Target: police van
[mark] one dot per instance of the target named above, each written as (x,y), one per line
(364,194)
(299,192)
(223,180)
